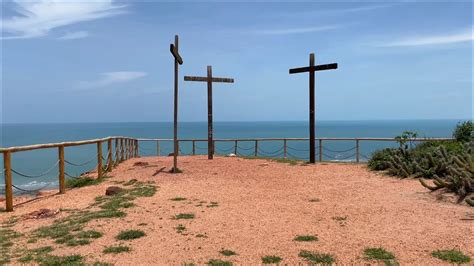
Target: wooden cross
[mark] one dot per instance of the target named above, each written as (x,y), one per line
(311,69)
(209,79)
(177,60)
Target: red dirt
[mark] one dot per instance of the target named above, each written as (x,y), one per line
(262,206)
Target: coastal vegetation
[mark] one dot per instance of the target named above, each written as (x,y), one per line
(449,165)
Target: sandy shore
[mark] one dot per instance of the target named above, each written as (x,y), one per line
(261,206)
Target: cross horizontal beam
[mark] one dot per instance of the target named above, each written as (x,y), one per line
(176,54)
(205,79)
(313,68)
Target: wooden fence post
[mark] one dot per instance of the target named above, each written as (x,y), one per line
(194,147)
(99,159)
(109,155)
(121,150)
(127,149)
(284,148)
(256,148)
(236,145)
(357,150)
(158,148)
(62,184)
(117,160)
(8,181)
(137,148)
(320,150)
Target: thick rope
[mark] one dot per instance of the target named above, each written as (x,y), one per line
(295,149)
(80,164)
(36,176)
(245,149)
(269,152)
(31,190)
(341,151)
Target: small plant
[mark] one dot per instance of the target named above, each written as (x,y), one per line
(178,199)
(184,216)
(227,252)
(305,238)
(61,260)
(270,259)
(339,218)
(130,234)
(317,258)
(453,256)
(180,228)
(83,182)
(201,235)
(116,249)
(89,234)
(213,204)
(218,262)
(380,254)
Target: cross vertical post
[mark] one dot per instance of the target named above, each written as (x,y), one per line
(209,79)
(312,121)
(210,135)
(312,117)
(174,49)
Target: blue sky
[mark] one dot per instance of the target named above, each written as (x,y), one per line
(110,61)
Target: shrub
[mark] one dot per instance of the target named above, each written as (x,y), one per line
(464,131)
(116,249)
(380,254)
(82,182)
(380,159)
(306,238)
(453,256)
(130,234)
(317,258)
(270,259)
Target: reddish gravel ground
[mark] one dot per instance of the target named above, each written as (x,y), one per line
(261,206)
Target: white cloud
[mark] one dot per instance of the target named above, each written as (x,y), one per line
(110,78)
(38,18)
(74,35)
(463,36)
(295,30)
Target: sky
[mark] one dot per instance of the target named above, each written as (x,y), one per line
(109,61)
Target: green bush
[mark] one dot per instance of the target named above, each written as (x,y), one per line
(130,234)
(464,131)
(380,159)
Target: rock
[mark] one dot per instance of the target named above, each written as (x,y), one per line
(110,191)
(140,164)
(41,214)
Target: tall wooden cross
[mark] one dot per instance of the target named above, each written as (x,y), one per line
(177,60)
(209,79)
(311,69)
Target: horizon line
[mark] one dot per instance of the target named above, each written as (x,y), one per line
(244,121)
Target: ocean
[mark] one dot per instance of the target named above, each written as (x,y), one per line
(45,161)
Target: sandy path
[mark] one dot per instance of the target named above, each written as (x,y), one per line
(262,206)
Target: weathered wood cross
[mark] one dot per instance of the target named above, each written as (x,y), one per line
(311,69)
(209,79)
(177,60)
